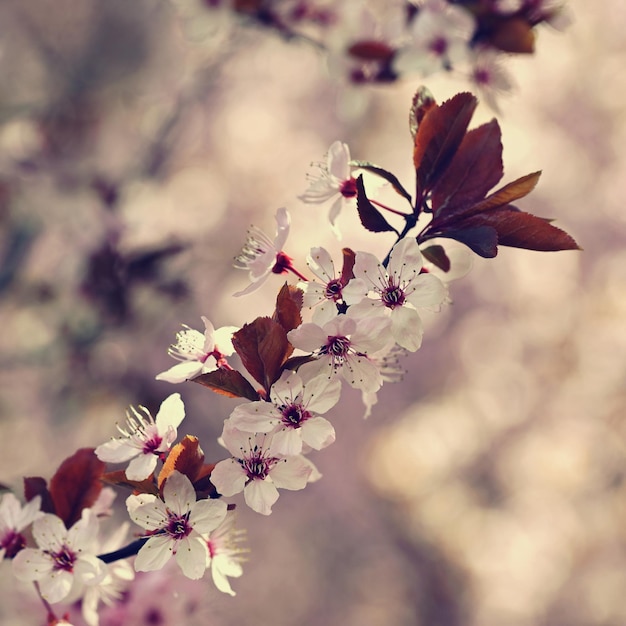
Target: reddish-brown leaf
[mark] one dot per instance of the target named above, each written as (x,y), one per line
(230,383)
(507,194)
(288,307)
(118,479)
(37,486)
(423,101)
(523,230)
(513,34)
(437,256)
(474,170)
(481,239)
(203,485)
(383,173)
(185,457)
(76,485)
(370,216)
(438,137)
(263,347)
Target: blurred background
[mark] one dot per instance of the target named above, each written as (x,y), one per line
(139,140)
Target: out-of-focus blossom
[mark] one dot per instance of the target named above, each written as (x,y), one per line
(294,414)
(176,525)
(144,439)
(262,256)
(257,470)
(334,182)
(225,553)
(199,353)
(440,35)
(489,76)
(64,558)
(341,346)
(13,519)
(399,291)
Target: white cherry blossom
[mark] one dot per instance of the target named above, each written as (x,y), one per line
(257,470)
(341,346)
(144,439)
(225,553)
(294,414)
(176,526)
(198,352)
(399,291)
(262,256)
(14,518)
(65,557)
(334,182)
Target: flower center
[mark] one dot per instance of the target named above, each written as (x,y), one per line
(348,188)
(257,465)
(63,559)
(333,290)
(337,347)
(178,526)
(152,445)
(294,415)
(393,296)
(12,542)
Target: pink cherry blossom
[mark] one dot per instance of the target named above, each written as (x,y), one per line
(64,558)
(198,352)
(334,182)
(341,346)
(261,256)
(257,470)
(489,77)
(144,440)
(399,291)
(225,553)
(14,518)
(294,414)
(176,526)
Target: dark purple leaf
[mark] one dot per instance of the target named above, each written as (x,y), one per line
(370,216)
(230,383)
(383,173)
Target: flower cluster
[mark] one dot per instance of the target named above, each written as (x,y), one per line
(346,323)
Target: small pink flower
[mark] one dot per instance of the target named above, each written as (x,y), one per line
(144,440)
(490,77)
(199,353)
(64,558)
(257,470)
(225,553)
(176,526)
(261,256)
(13,519)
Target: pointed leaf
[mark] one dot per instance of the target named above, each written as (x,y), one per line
(437,256)
(474,170)
(515,35)
(118,479)
(185,457)
(483,240)
(36,486)
(76,485)
(229,383)
(203,485)
(263,348)
(383,173)
(423,101)
(509,193)
(370,216)
(296,361)
(288,307)
(439,136)
(517,229)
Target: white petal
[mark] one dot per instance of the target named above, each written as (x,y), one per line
(224,339)
(362,374)
(354,291)
(407,328)
(117,451)
(291,473)
(221,567)
(260,495)
(171,413)
(321,394)
(406,253)
(318,433)
(324,312)
(49,532)
(207,515)
(372,334)
(191,556)
(181,372)
(321,264)
(56,586)
(154,554)
(335,209)
(287,442)
(369,269)
(209,331)
(426,290)
(152,515)
(30,564)
(282,228)
(255,417)
(178,493)
(339,160)
(307,337)
(141,467)
(228,477)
